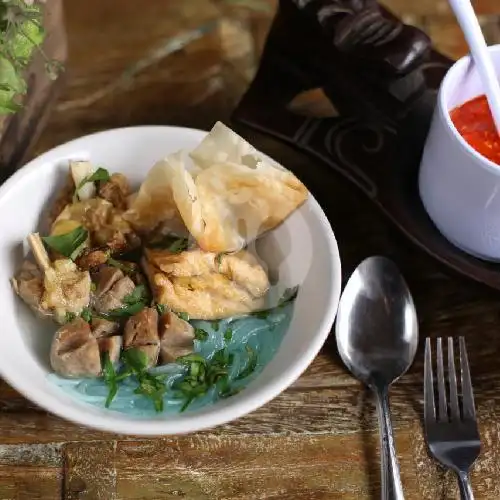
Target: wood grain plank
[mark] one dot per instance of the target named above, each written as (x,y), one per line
(89,471)
(285,467)
(30,483)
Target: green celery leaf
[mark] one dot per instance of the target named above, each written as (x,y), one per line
(68,244)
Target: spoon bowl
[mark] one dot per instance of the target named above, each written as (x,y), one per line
(377,329)
(377,338)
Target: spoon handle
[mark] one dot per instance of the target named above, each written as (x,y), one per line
(391,486)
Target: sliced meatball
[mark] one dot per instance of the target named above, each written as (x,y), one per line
(116,191)
(113,298)
(112,346)
(105,278)
(104,328)
(75,351)
(142,328)
(141,332)
(67,289)
(28,284)
(176,337)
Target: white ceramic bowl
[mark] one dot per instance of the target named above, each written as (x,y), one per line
(460,189)
(303,251)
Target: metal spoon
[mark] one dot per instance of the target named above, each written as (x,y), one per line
(377,336)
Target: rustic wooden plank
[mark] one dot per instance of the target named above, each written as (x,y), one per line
(31,454)
(292,467)
(89,471)
(30,483)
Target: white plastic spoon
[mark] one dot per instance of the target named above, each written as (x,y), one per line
(479,51)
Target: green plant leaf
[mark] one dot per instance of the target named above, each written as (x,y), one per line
(68,244)
(10,77)
(100,175)
(29,36)
(251,364)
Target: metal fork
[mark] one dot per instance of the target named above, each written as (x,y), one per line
(452,433)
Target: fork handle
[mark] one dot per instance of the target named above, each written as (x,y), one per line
(465,487)
(392,488)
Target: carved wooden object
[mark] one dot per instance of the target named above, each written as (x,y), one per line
(382,76)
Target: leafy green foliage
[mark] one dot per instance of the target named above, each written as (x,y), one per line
(200,334)
(68,244)
(251,364)
(100,175)
(21,34)
(134,365)
(132,304)
(203,374)
(126,267)
(171,242)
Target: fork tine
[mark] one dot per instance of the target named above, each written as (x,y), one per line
(429,408)
(468,409)
(443,410)
(452,379)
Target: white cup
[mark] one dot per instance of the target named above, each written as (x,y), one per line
(460,189)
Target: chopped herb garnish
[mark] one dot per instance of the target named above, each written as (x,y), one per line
(150,386)
(127,268)
(288,295)
(179,245)
(251,364)
(135,359)
(263,314)
(93,287)
(124,312)
(135,364)
(183,315)
(228,335)
(200,334)
(203,374)
(161,309)
(218,259)
(69,317)
(171,242)
(109,375)
(69,244)
(139,294)
(100,175)
(230,392)
(133,303)
(186,403)
(191,358)
(86,314)
(216,325)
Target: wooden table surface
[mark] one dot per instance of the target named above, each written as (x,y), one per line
(319,439)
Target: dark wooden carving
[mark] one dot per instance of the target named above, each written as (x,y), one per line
(382,76)
(358,29)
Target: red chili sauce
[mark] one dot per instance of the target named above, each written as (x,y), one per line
(475,124)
